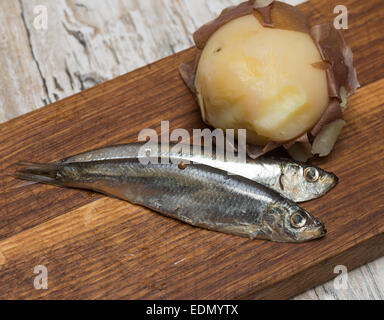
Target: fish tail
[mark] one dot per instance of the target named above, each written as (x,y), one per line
(39,172)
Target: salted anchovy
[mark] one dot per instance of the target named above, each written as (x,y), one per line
(196,194)
(296,181)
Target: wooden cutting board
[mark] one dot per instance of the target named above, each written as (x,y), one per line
(97,247)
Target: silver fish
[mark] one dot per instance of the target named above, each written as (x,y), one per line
(296,181)
(196,194)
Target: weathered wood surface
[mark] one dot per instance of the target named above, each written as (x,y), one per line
(87,43)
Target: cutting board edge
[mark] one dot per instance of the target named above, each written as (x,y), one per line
(351,258)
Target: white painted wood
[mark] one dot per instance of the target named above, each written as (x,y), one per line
(21,87)
(365,283)
(90,41)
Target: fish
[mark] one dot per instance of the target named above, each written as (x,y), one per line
(196,194)
(299,182)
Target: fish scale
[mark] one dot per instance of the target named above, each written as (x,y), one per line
(198,194)
(285,176)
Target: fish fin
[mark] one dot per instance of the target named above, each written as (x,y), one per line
(39,173)
(24,184)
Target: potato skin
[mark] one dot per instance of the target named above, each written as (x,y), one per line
(261,79)
(336,61)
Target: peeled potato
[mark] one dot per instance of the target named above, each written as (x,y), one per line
(261,79)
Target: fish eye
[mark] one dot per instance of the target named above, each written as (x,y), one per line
(311,174)
(298,220)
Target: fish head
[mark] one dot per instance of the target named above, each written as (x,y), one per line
(288,222)
(302,182)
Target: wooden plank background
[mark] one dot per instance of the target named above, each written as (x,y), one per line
(86,43)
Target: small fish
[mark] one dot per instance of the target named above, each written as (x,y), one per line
(196,194)
(298,182)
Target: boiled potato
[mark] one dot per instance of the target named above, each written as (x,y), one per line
(261,79)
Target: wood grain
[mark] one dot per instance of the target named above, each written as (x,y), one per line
(90,238)
(364,34)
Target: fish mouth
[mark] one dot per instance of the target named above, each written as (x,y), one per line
(333,181)
(313,233)
(330,181)
(326,184)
